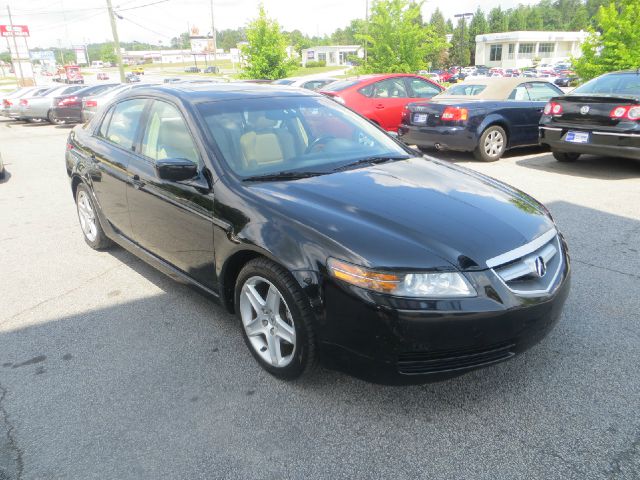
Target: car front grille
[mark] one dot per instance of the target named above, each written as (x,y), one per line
(532,269)
(420,363)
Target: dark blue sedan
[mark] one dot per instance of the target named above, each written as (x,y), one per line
(485,116)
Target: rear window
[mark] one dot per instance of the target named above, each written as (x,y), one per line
(462,89)
(613,84)
(340,85)
(283,82)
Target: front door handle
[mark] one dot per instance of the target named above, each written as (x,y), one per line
(379,106)
(137,182)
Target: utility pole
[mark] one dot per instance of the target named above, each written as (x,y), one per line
(366,28)
(213,34)
(116,40)
(15,45)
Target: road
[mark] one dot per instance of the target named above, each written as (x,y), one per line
(110,370)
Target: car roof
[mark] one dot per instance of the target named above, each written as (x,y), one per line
(496,87)
(208,92)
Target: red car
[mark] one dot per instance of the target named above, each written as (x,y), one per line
(382,98)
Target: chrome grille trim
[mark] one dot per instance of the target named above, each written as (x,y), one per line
(522,251)
(527,265)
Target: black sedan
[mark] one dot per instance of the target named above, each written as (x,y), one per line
(485,116)
(328,238)
(68,108)
(601,117)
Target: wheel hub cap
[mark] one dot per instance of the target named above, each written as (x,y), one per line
(267,321)
(87,217)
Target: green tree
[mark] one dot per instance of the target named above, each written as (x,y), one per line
(266,52)
(437,23)
(460,54)
(477,26)
(498,21)
(108,53)
(617,46)
(397,41)
(518,19)
(534,20)
(228,39)
(181,42)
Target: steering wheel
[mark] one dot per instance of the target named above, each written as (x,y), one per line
(318,141)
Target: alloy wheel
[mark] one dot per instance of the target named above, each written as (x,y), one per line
(267,321)
(494,143)
(87,216)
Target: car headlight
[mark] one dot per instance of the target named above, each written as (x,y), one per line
(416,285)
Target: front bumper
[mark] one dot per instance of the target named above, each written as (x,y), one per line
(601,142)
(398,341)
(457,138)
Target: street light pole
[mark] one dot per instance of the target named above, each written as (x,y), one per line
(463,16)
(213,35)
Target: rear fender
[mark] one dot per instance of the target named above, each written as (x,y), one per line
(493,119)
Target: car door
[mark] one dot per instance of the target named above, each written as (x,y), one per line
(517,111)
(111,150)
(540,93)
(387,98)
(172,220)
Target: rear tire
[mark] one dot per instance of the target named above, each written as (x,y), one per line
(53,120)
(276,319)
(566,156)
(492,144)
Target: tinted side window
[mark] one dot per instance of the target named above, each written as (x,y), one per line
(104,126)
(541,92)
(390,88)
(421,89)
(124,123)
(167,135)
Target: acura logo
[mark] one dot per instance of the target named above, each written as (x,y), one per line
(584,110)
(541,268)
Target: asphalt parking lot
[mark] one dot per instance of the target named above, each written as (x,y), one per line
(110,370)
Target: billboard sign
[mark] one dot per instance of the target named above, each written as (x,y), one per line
(16,31)
(81,54)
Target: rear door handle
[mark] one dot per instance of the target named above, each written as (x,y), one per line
(137,182)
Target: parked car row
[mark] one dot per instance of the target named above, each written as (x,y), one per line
(489,116)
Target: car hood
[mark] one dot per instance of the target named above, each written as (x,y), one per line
(416,213)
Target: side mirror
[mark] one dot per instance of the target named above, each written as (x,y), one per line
(176,169)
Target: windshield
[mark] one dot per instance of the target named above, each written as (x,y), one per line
(613,84)
(464,89)
(263,136)
(283,82)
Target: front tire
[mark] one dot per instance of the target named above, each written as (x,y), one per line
(492,144)
(566,156)
(276,318)
(89,223)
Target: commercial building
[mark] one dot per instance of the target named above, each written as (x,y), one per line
(332,55)
(523,49)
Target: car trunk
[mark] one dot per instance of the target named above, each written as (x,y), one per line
(592,110)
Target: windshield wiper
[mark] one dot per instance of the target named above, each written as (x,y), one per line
(269,177)
(377,159)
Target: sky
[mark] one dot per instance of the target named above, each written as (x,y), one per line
(72,22)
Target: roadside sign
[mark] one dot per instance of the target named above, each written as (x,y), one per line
(16,31)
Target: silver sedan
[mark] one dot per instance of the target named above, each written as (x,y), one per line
(35,108)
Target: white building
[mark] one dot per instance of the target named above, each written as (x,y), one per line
(333,55)
(520,49)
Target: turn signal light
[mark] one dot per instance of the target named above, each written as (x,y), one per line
(553,108)
(455,114)
(24,101)
(363,277)
(67,101)
(626,112)
(6,103)
(90,103)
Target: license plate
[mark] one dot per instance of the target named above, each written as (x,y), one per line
(577,137)
(420,118)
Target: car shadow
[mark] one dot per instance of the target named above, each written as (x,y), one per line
(455,157)
(586,166)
